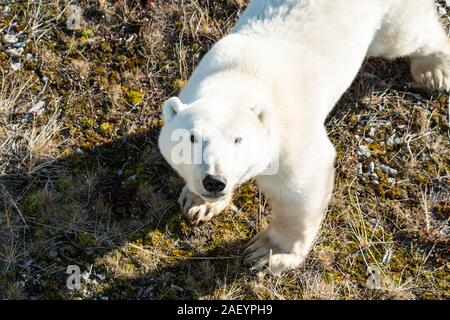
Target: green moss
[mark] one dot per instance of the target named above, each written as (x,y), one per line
(64,182)
(195,46)
(86,240)
(106,129)
(105,47)
(377,150)
(31,202)
(178,84)
(442,209)
(88,122)
(396,193)
(421,179)
(133,97)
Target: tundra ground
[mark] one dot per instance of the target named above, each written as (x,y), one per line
(82,181)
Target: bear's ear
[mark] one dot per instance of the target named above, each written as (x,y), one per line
(260,111)
(172,107)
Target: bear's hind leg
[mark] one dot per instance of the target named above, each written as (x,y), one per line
(412,29)
(432,71)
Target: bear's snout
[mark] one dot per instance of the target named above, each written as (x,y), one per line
(214,183)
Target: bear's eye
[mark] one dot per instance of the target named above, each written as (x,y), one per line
(193,139)
(237,140)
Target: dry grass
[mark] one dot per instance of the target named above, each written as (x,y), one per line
(82,181)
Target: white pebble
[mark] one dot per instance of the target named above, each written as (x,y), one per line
(9,38)
(364,151)
(388,170)
(360,168)
(394,139)
(38,108)
(371,132)
(20,44)
(371,167)
(16,65)
(15,52)
(73,21)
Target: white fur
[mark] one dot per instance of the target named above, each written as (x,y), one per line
(273,80)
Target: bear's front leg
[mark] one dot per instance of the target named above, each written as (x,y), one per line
(298,208)
(195,209)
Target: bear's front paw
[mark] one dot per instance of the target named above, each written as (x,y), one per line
(197,210)
(432,71)
(266,256)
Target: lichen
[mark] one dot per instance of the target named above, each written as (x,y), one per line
(133,97)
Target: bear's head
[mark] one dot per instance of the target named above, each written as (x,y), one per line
(214,145)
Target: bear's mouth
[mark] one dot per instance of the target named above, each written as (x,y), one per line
(213,196)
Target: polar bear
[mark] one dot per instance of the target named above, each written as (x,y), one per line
(259,99)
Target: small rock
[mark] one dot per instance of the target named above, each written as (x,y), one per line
(11,39)
(15,52)
(388,170)
(394,140)
(15,65)
(391,181)
(6,9)
(360,168)
(35,111)
(374,175)
(371,167)
(37,108)
(73,21)
(442,11)
(373,277)
(364,151)
(371,132)
(20,44)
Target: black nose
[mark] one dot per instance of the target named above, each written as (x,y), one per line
(214,183)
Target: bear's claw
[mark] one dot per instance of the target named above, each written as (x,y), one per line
(196,210)
(265,256)
(432,71)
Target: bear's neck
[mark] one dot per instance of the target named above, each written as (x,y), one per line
(235,87)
